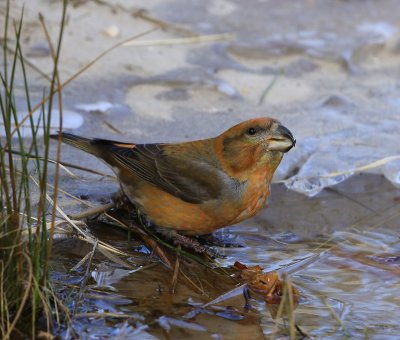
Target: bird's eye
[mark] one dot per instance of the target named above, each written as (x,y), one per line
(252,131)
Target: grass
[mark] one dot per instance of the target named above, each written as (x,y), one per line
(25,239)
(27,227)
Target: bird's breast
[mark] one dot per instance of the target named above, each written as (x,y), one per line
(236,204)
(254,195)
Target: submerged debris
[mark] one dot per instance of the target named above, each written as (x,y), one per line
(267,285)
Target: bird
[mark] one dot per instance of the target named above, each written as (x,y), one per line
(197,187)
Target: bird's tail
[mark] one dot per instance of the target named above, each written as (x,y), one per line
(81,143)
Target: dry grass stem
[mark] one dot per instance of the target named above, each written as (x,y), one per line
(234,292)
(93,211)
(76,75)
(176,273)
(183,41)
(369,166)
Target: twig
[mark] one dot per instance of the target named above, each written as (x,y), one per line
(143,14)
(86,276)
(339,193)
(55,54)
(24,298)
(337,318)
(183,41)
(103,247)
(81,262)
(104,315)
(62,164)
(200,289)
(76,75)
(176,272)
(146,239)
(113,128)
(233,292)
(269,87)
(93,211)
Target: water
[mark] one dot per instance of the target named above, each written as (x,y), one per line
(341,251)
(328,70)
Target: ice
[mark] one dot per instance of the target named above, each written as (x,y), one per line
(312,186)
(227,89)
(95,107)
(339,138)
(382,29)
(391,170)
(319,171)
(71,120)
(333,82)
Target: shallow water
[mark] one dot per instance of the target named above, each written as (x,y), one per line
(346,268)
(327,69)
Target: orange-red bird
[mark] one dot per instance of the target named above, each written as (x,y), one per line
(197,187)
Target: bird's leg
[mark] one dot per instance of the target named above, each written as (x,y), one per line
(121,200)
(170,234)
(176,273)
(187,242)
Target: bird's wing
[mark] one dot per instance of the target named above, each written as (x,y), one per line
(192,180)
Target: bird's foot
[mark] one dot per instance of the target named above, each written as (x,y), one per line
(221,239)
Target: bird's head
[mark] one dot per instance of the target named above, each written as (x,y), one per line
(254,143)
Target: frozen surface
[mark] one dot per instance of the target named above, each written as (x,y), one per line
(333,82)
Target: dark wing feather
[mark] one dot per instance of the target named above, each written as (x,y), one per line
(192,180)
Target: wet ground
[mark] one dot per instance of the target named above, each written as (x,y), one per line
(340,249)
(327,69)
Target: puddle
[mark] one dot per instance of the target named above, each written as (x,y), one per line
(341,251)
